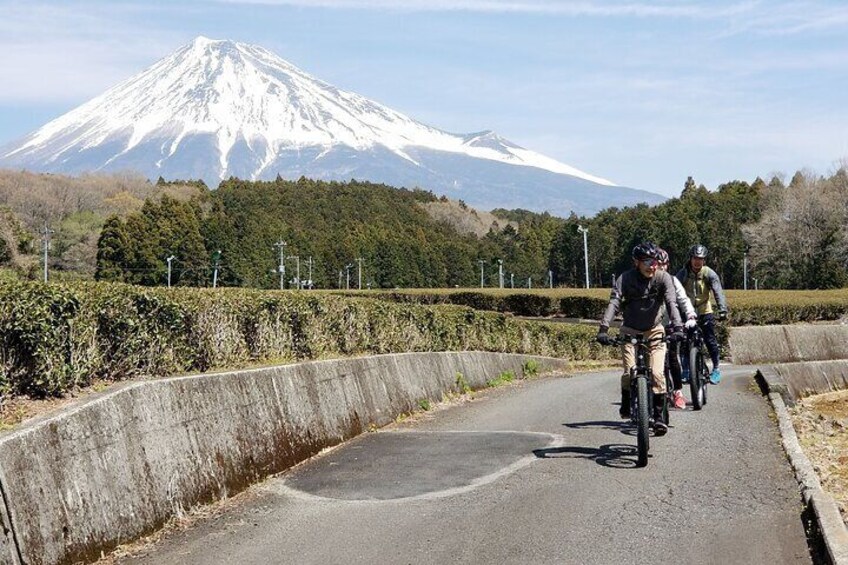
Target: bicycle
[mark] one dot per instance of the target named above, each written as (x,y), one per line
(699,374)
(641,393)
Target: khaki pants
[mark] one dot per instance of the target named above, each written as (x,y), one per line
(656,358)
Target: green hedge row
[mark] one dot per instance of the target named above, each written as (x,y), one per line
(56,337)
(518,303)
(746,307)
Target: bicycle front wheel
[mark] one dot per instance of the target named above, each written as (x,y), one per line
(642,424)
(696,377)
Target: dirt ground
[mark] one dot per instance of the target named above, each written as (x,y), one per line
(821,423)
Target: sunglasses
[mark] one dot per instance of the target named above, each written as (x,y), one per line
(649,262)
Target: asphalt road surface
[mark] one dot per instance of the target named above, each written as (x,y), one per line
(542,471)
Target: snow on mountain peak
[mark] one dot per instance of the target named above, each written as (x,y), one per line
(239,93)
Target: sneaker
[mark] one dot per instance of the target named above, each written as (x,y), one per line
(685,376)
(715,377)
(678,400)
(660,427)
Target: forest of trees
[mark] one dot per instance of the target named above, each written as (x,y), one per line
(792,235)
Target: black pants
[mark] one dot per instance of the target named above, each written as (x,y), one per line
(673,361)
(707,324)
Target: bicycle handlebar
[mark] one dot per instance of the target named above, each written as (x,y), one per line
(617,340)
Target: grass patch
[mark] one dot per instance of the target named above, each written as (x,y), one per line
(504,378)
(531,368)
(462,385)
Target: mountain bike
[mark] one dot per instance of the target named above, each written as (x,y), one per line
(641,393)
(699,374)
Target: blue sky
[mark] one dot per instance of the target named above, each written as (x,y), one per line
(644,93)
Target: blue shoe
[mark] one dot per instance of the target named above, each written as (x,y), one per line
(685,376)
(715,377)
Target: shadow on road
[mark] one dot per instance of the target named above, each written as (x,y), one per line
(626,427)
(610,455)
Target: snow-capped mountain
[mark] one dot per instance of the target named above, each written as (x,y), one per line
(215,109)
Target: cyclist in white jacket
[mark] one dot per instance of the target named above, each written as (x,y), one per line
(687,313)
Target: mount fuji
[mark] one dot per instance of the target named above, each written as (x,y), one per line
(215,109)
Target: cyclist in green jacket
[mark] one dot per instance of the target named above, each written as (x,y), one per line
(700,281)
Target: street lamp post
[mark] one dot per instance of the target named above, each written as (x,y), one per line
(216,257)
(46,236)
(282,245)
(169,259)
(500,273)
(585,231)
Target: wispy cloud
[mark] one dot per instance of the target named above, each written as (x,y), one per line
(710,10)
(792,18)
(56,51)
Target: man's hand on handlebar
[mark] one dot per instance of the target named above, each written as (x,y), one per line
(691,323)
(722,315)
(603,337)
(677,335)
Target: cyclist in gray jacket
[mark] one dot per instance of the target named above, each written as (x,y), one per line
(640,294)
(699,281)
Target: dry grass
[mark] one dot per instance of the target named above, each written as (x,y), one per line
(822,425)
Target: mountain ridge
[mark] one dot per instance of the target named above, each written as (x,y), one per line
(216,108)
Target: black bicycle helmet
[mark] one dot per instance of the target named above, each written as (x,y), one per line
(662,256)
(698,251)
(646,250)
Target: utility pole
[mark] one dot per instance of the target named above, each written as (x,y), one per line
(340,279)
(348,267)
(216,257)
(309,281)
(745,269)
(500,273)
(481,271)
(551,278)
(45,234)
(359,273)
(529,282)
(282,269)
(512,280)
(585,231)
(169,259)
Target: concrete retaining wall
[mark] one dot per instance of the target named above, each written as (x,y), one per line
(119,466)
(751,345)
(800,380)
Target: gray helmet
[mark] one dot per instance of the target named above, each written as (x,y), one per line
(662,255)
(698,251)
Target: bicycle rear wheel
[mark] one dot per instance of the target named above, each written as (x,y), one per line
(696,377)
(642,424)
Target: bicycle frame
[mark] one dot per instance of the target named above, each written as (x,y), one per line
(642,394)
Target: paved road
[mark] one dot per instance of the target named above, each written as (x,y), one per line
(539,472)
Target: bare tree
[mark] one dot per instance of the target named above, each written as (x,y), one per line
(800,240)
